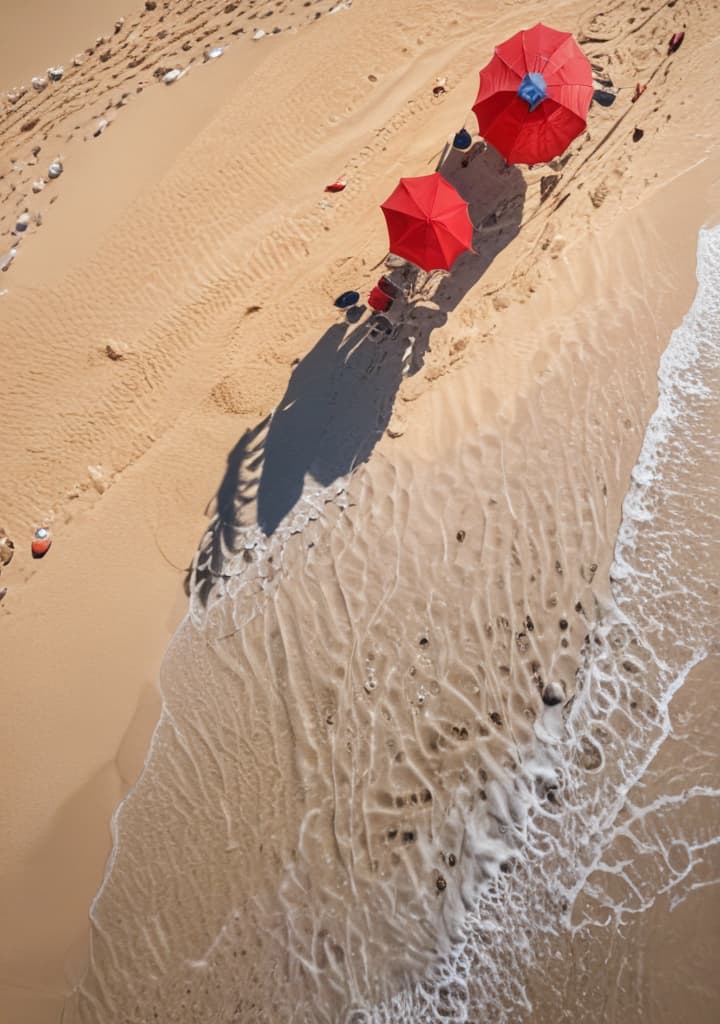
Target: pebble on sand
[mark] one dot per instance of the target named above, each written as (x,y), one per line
(7,258)
(116,350)
(171,76)
(39,83)
(55,74)
(553,694)
(214,52)
(7,549)
(100,128)
(22,222)
(39,185)
(55,169)
(258,33)
(99,480)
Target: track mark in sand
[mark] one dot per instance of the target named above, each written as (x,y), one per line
(99,76)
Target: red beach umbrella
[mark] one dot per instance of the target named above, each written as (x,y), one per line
(428,222)
(534,95)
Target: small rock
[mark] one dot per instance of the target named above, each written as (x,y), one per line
(440,883)
(39,185)
(118,25)
(116,350)
(7,549)
(637,134)
(16,94)
(3,592)
(258,33)
(55,169)
(7,259)
(150,5)
(78,59)
(22,222)
(460,536)
(171,76)
(99,481)
(39,83)
(101,126)
(55,74)
(553,694)
(214,53)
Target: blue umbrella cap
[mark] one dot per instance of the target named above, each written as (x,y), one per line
(533,89)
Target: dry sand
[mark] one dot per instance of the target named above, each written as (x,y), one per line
(193,236)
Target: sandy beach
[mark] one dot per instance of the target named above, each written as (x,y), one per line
(395,542)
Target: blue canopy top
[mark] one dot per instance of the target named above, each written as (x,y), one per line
(533,89)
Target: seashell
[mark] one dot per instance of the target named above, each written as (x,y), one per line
(22,222)
(39,83)
(7,259)
(39,185)
(7,549)
(55,74)
(171,76)
(215,52)
(258,33)
(55,169)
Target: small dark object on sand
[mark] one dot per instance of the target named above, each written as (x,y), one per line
(424,641)
(460,536)
(676,42)
(553,694)
(452,860)
(637,134)
(347,299)
(463,139)
(440,883)
(3,592)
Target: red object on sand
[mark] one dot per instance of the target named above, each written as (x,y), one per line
(676,42)
(337,186)
(428,222)
(379,300)
(534,95)
(40,543)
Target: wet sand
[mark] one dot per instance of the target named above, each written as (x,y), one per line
(168,229)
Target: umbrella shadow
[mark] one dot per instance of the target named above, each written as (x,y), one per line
(340,396)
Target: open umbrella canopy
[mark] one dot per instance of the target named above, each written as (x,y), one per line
(534,95)
(428,222)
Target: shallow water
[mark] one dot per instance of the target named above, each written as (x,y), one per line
(357,807)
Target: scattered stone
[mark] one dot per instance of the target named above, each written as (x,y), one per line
(118,25)
(27,126)
(563,624)
(547,184)
(3,592)
(590,757)
(258,33)
(39,83)
(214,53)
(7,259)
(116,350)
(637,134)
(7,549)
(16,94)
(150,5)
(452,860)
(101,126)
(460,536)
(423,641)
(55,169)
(78,60)
(553,694)
(171,76)
(22,222)
(98,478)
(55,74)
(440,883)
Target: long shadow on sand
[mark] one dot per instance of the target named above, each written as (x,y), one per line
(340,396)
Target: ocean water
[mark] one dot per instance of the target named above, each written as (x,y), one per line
(357,808)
